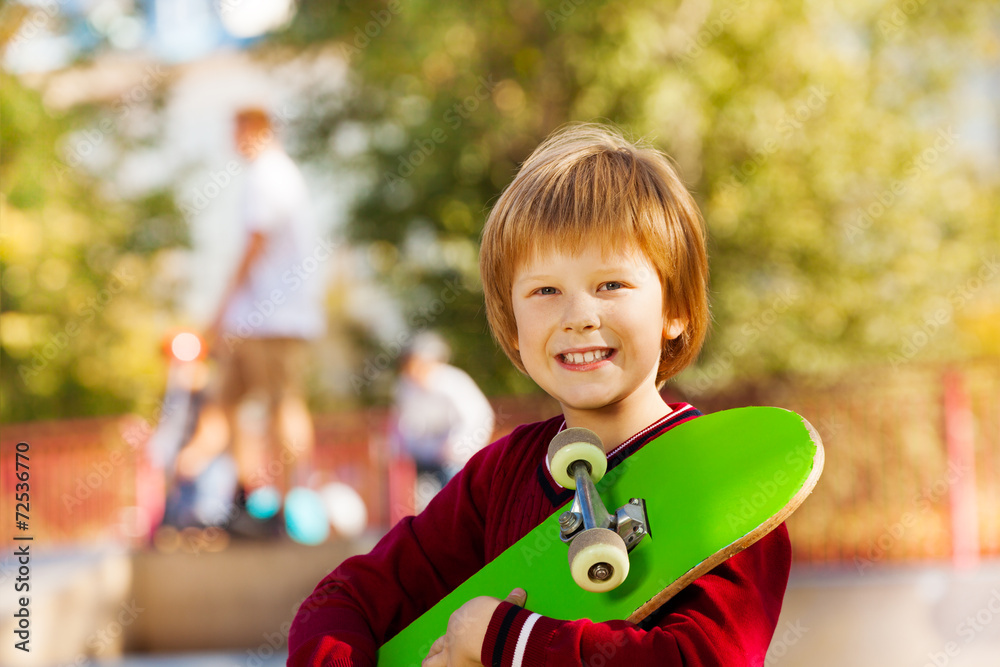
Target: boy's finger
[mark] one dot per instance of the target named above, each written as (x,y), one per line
(436,648)
(517,596)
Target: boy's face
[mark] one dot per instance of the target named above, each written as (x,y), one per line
(242,138)
(590,326)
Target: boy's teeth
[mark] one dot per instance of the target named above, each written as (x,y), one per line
(584,357)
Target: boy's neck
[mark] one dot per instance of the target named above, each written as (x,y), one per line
(617,422)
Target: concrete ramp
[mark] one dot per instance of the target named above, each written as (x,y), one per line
(921,616)
(243,596)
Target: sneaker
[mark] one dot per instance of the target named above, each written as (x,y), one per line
(306,520)
(263,503)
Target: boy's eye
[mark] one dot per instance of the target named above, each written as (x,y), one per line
(612,285)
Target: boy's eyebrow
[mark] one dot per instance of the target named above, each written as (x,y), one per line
(536,276)
(604,268)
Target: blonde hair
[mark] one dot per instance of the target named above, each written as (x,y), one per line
(255,117)
(588,182)
(253,128)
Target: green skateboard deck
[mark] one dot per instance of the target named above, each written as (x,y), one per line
(713,486)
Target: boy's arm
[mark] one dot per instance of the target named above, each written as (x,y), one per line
(726,617)
(369,598)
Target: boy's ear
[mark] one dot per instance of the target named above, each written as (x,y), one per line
(672,328)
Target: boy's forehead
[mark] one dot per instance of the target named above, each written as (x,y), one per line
(542,255)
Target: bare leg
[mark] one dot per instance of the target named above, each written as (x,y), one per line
(211,437)
(294,440)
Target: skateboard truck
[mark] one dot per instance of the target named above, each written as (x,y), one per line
(629,521)
(599,541)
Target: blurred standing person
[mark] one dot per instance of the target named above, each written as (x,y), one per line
(441,416)
(268,314)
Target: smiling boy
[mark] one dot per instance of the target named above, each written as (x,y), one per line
(595,278)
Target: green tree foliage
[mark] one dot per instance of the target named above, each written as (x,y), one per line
(847,219)
(828,145)
(78,333)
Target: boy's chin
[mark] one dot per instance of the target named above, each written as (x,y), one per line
(598,397)
(584,401)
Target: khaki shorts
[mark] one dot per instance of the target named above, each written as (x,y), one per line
(267,367)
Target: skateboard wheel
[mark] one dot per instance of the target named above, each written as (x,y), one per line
(572,445)
(598,560)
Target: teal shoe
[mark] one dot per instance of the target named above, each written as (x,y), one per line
(263,503)
(306,521)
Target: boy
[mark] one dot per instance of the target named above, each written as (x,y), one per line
(595,277)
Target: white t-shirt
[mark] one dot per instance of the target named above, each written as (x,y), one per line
(283,294)
(445,422)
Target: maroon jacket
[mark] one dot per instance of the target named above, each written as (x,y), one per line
(726,617)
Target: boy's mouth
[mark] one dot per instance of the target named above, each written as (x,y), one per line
(585,357)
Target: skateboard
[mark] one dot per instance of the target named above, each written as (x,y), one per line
(700,493)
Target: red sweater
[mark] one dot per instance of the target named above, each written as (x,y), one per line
(726,617)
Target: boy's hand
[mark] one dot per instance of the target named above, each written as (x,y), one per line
(463,643)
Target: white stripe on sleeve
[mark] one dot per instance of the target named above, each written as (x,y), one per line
(522,640)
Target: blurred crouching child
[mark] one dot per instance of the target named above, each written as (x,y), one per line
(441,418)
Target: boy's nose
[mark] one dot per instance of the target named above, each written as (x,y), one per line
(581,315)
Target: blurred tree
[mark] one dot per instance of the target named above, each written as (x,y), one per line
(846,215)
(829,147)
(78,328)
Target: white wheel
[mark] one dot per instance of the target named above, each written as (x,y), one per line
(598,560)
(572,445)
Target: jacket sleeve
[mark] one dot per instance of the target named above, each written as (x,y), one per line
(370,598)
(724,618)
